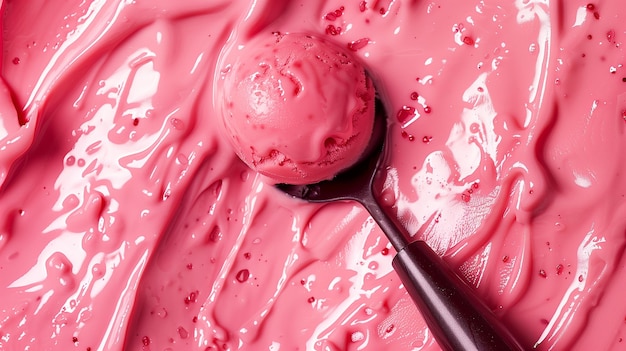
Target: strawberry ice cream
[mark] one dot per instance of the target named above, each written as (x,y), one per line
(298,109)
(127,222)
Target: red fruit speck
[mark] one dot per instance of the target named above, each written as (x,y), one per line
(465,197)
(414,95)
(332,15)
(70,161)
(192,297)
(596,15)
(406,135)
(624,115)
(362,6)
(189,266)
(610,36)
(426,139)
(542,273)
(311,299)
(74,339)
(183,333)
(332,30)
(216,234)
(405,113)
(559,269)
(505,259)
(590,7)
(135,121)
(243,275)
(427,109)
(384,251)
(475,185)
(358,44)
(145,341)
(581,278)
(382,11)
(468,40)
(247,255)
(16,60)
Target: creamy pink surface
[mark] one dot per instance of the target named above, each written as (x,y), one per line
(297,108)
(129,224)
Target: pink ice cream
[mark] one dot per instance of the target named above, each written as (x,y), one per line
(297,108)
(127,222)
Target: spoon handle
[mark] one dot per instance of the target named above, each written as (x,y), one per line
(453,313)
(458,319)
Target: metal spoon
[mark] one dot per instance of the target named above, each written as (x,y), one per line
(454,314)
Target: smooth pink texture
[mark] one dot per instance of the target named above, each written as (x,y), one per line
(128,223)
(297,108)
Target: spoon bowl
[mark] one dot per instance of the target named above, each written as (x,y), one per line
(458,319)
